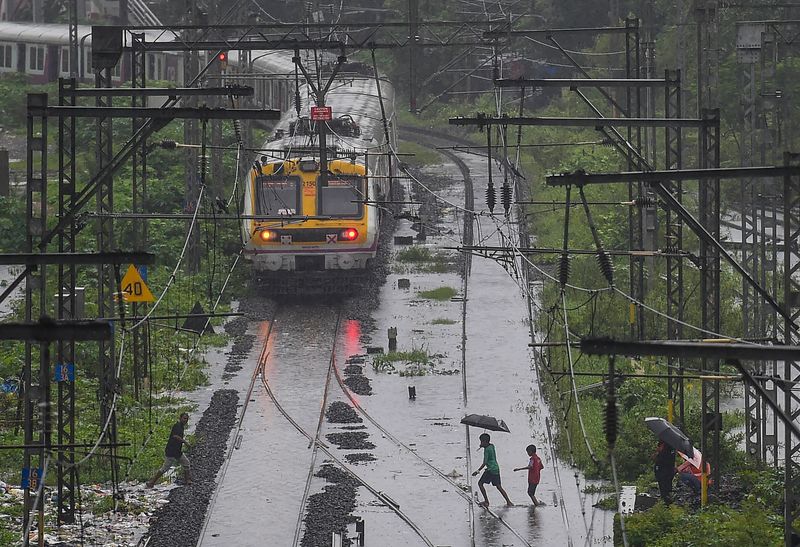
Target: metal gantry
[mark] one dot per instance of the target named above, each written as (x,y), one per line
(748,209)
(107,285)
(35,382)
(190,136)
(709,216)
(673,242)
(791,368)
(67,309)
(141,351)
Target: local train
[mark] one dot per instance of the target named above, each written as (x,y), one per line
(309,231)
(303,230)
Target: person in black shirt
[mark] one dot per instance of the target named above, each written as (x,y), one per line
(664,469)
(173,452)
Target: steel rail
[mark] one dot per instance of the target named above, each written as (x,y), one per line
(467,237)
(345,468)
(234,437)
(316,442)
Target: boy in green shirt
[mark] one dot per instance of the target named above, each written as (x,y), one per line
(492,473)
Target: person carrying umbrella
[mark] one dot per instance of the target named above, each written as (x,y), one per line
(664,470)
(492,473)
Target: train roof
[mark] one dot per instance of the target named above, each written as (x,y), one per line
(54,34)
(353,96)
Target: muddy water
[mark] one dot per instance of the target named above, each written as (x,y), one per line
(500,380)
(260,493)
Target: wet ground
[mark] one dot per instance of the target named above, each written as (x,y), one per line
(263,485)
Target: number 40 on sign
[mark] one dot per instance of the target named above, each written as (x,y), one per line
(133,287)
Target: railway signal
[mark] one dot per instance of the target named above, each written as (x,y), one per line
(222,59)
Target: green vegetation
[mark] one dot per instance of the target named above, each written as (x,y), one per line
(718,525)
(414,254)
(417,362)
(441,294)
(443,321)
(422,154)
(387,361)
(423,259)
(175,366)
(606,313)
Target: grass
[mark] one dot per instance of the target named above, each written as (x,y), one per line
(414,255)
(441,294)
(443,321)
(422,155)
(424,260)
(385,362)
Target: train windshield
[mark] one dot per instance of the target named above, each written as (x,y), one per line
(342,196)
(278,195)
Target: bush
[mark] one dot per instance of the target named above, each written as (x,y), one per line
(717,525)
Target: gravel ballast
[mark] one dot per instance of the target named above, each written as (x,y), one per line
(329,511)
(351,440)
(179,522)
(341,413)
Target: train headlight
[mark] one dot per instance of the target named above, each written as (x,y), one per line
(268,235)
(348,234)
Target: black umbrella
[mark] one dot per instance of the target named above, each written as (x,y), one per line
(486,422)
(671,435)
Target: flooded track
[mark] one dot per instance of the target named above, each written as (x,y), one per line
(408,459)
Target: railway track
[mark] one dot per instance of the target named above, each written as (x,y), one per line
(260,377)
(289,333)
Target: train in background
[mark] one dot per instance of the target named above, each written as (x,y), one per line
(41,52)
(308,233)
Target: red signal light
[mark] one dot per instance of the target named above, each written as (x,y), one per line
(222,58)
(349,234)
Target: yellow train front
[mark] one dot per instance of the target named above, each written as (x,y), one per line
(309,234)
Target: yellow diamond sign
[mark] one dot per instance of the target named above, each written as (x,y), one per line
(133,287)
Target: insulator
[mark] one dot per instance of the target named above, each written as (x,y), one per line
(297,102)
(645,202)
(606,266)
(670,247)
(491,197)
(611,421)
(168,145)
(563,270)
(237,130)
(505,197)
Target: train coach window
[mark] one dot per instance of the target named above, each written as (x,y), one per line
(341,197)
(7,56)
(64,54)
(36,58)
(278,195)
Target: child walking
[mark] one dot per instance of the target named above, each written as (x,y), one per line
(534,468)
(492,473)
